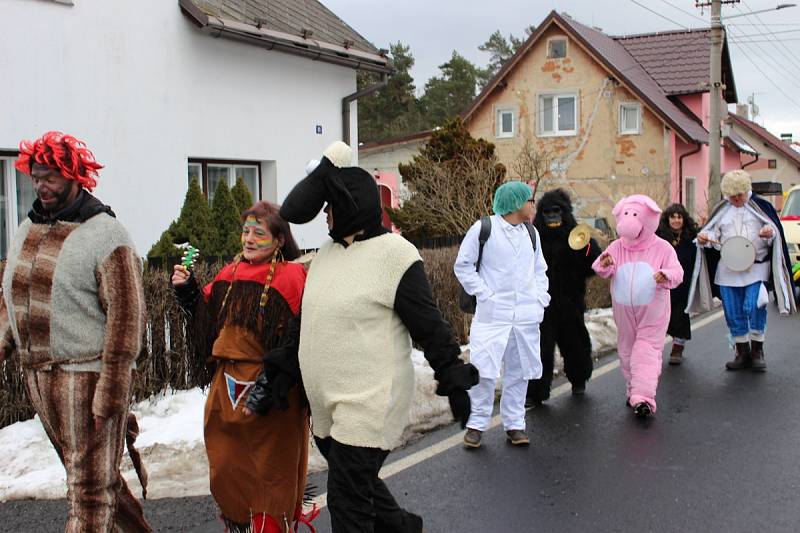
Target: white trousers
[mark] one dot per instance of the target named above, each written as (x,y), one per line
(512,399)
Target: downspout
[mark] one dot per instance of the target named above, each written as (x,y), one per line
(355,96)
(680,171)
(750,163)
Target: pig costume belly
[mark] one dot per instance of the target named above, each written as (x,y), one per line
(641,306)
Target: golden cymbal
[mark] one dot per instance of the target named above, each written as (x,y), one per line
(579,237)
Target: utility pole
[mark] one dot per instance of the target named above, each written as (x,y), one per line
(715,92)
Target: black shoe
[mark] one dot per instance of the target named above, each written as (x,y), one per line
(757,363)
(530,403)
(743,357)
(643,410)
(579,388)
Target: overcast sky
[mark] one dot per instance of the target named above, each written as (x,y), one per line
(434,28)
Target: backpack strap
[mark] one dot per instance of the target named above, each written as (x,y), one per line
(532,233)
(483,236)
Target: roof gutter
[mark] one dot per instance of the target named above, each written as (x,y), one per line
(355,96)
(284,42)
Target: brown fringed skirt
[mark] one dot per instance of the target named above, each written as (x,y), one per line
(257,463)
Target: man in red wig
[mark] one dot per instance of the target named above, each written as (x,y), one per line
(73,310)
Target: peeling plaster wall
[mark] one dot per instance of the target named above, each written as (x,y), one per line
(598,165)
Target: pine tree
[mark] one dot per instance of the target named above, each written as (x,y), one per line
(227,224)
(193,225)
(446,96)
(241,196)
(500,50)
(394,109)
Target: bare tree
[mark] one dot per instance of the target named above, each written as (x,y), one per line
(532,162)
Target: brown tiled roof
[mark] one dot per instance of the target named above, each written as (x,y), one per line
(767,137)
(289,16)
(679,60)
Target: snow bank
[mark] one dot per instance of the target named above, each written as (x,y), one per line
(171,437)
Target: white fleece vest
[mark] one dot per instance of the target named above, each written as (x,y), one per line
(355,352)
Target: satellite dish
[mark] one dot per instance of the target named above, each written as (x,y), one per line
(754,110)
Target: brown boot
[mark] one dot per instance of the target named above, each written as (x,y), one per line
(757,354)
(676,355)
(742,359)
(472,438)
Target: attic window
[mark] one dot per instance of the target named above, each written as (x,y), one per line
(556,48)
(772,163)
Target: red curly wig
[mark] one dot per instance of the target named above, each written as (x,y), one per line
(66,153)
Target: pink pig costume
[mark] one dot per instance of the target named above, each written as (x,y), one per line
(641,307)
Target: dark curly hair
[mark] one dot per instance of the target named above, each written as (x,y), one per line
(689,230)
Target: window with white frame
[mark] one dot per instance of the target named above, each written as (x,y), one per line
(211,172)
(556,48)
(558,114)
(689,195)
(630,118)
(16,199)
(506,123)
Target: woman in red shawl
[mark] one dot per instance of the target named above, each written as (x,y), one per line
(257,462)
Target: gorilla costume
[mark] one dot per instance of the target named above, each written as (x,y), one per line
(567,270)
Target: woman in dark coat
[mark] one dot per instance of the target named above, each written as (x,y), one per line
(678,228)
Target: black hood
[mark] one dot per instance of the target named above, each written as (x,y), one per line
(350,191)
(84,207)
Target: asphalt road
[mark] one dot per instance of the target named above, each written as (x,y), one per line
(721,454)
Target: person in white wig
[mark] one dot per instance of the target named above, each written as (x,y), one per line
(743,292)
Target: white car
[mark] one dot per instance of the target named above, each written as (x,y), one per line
(790,219)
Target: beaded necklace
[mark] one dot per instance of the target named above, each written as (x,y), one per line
(265,293)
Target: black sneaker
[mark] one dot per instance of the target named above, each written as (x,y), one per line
(643,410)
(578,388)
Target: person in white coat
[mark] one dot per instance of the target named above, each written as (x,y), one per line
(510,287)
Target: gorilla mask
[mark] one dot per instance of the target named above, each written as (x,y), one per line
(552,216)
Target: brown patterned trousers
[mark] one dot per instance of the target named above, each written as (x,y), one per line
(99,499)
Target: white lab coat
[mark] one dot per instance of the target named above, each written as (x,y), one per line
(511,290)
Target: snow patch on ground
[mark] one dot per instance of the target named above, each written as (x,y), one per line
(171,436)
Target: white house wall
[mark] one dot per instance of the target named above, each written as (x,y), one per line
(146,90)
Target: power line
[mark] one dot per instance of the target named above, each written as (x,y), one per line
(772,62)
(788,53)
(660,15)
(765,75)
(773,33)
(684,11)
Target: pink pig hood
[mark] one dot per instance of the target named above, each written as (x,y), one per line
(637,220)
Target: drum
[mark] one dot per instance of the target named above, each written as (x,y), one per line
(738,253)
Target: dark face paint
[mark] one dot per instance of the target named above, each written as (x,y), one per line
(552,216)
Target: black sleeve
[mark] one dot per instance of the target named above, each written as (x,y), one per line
(416,308)
(187,295)
(281,372)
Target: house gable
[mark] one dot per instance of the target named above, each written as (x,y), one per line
(615,60)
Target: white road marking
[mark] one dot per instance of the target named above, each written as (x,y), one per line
(424,454)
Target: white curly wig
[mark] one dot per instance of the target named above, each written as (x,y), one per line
(735,182)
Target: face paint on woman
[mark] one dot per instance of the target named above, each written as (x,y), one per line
(257,241)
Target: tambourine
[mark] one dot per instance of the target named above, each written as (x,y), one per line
(738,253)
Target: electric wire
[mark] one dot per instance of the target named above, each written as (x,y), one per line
(785,52)
(747,56)
(685,12)
(659,14)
